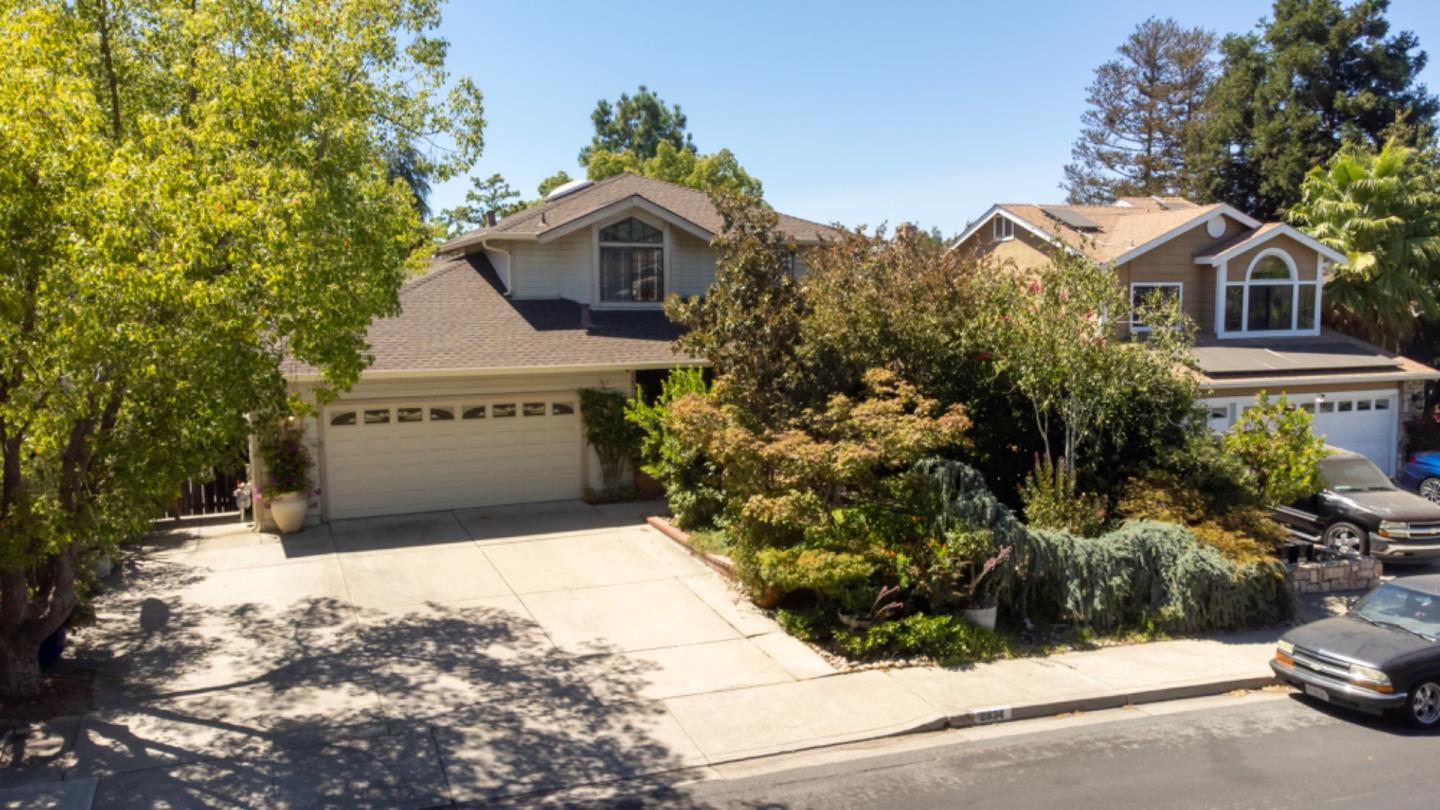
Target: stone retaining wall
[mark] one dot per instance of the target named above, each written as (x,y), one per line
(1359,574)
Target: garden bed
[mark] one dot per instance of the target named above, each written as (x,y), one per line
(699,546)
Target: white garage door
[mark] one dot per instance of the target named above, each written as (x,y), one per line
(451,453)
(1362,421)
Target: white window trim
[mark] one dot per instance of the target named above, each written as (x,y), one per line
(1295,283)
(1001,229)
(1179,294)
(666,257)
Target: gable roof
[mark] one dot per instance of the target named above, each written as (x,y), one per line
(1227,249)
(456,318)
(1124,230)
(690,208)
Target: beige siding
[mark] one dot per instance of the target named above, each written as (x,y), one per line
(1304,258)
(1025,250)
(559,269)
(1174,261)
(692,263)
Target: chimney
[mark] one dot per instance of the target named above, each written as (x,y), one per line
(490,217)
(585,316)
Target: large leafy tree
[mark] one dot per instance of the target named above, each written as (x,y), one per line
(1141,107)
(190,191)
(717,172)
(1315,76)
(1382,209)
(636,124)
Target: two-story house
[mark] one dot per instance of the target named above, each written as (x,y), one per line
(472,397)
(1254,288)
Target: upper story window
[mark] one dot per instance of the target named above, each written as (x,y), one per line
(1272,299)
(1001,229)
(632,262)
(1147,293)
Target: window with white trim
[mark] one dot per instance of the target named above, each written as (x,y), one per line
(1001,229)
(632,263)
(1146,293)
(1272,298)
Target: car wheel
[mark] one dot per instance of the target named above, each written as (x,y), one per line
(1430,489)
(1423,708)
(1345,536)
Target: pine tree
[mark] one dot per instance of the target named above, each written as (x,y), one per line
(1316,76)
(1141,106)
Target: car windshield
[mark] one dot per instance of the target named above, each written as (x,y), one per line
(1353,474)
(1401,608)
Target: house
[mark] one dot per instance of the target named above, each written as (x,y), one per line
(472,396)
(1255,289)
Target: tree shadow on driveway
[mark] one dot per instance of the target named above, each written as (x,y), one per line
(223,700)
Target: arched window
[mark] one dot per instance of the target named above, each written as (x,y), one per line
(1272,298)
(632,262)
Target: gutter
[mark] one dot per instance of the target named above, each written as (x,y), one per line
(1260,382)
(501,371)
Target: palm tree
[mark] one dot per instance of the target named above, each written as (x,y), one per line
(1383,212)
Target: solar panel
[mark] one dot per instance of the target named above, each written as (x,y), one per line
(1074,220)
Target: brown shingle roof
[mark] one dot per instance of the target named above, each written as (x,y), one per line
(456,317)
(1122,227)
(689,204)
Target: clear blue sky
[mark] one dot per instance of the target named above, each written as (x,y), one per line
(850,112)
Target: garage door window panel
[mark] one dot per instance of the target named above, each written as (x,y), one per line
(410,415)
(473,412)
(562,408)
(534,409)
(503,411)
(380,416)
(342,419)
(442,414)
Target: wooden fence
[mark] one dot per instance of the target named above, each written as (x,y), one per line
(207,497)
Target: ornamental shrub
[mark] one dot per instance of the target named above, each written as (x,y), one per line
(691,479)
(1053,500)
(835,577)
(947,640)
(613,438)
(287,460)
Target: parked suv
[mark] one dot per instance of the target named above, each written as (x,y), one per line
(1360,510)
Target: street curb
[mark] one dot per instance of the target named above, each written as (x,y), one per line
(1116,700)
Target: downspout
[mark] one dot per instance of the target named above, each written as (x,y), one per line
(509,263)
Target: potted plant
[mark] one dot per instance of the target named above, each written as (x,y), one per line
(959,574)
(287,468)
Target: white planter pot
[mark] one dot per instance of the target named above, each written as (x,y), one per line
(984,617)
(288,510)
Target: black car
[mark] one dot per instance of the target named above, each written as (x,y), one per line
(1380,656)
(1361,511)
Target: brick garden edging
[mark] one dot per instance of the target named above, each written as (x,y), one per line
(720,563)
(1357,574)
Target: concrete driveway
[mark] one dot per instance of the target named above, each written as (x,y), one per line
(412,661)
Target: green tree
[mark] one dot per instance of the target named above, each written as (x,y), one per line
(553,182)
(1142,105)
(717,172)
(1382,210)
(1315,76)
(1053,335)
(748,322)
(189,193)
(636,124)
(1275,444)
(493,194)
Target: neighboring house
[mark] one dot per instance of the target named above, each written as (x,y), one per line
(1255,290)
(472,397)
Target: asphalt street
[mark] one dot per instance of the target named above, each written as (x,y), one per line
(1279,753)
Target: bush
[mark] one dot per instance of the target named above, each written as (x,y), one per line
(836,577)
(1275,444)
(1144,574)
(945,639)
(613,438)
(1242,531)
(690,478)
(1052,501)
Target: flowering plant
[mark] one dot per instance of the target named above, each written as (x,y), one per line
(287,460)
